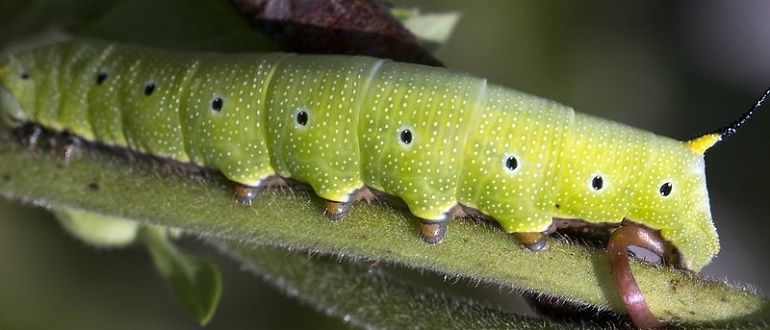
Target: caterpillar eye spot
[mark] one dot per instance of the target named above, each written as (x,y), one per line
(511,163)
(101,77)
(149,88)
(665,189)
(216,104)
(302,118)
(24,75)
(597,183)
(406,136)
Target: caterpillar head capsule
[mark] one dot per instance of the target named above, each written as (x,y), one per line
(673,197)
(697,240)
(688,238)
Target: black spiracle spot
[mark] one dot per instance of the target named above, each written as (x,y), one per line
(406,136)
(511,163)
(597,183)
(101,77)
(302,118)
(149,88)
(665,189)
(216,104)
(24,75)
(93,186)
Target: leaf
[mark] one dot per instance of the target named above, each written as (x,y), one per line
(98,230)
(432,30)
(195,281)
(372,295)
(152,193)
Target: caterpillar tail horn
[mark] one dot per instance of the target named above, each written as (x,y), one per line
(702,143)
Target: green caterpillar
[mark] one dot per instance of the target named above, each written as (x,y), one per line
(444,142)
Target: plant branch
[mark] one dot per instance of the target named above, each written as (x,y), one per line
(152,193)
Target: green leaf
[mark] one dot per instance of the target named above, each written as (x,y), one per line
(151,193)
(193,279)
(96,229)
(376,296)
(432,30)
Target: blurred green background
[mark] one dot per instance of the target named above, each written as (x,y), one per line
(675,68)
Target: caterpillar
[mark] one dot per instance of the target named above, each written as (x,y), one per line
(445,142)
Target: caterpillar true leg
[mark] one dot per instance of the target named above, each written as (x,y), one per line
(29,134)
(71,144)
(33,136)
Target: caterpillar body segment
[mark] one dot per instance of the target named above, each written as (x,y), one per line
(431,136)
(313,120)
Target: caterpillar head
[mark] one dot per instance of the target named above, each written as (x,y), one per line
(672,196)
(614,173)
(693,235)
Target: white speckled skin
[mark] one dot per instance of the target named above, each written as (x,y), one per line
(431,136)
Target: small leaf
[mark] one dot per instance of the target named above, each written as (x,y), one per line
(195,281)
(431,30)
(96,229)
